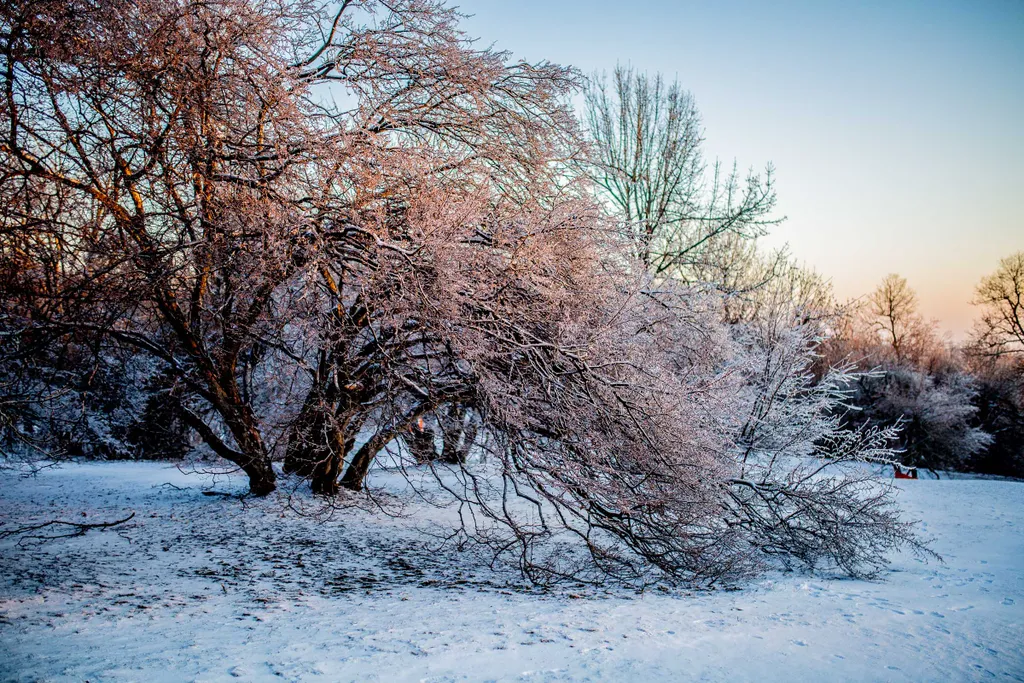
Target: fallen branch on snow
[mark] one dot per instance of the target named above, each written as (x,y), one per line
(72,528)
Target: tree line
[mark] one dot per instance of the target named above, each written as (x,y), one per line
(959,407)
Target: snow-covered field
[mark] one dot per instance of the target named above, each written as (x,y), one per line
(200,587)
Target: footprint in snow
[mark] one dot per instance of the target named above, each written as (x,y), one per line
(1007,601)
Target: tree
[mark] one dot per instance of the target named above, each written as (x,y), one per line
(1001,297)
(801,448)
(178,178)
(648,162)
(936,412)
(910,380)
(775,282)
(892,311)
(163,165)
(996,354)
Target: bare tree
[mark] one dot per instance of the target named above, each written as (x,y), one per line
(169,162)
(648,161)
(773,282)
(180,177)
(892,311)
(1001,296)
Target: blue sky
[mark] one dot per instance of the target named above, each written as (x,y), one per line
(895,127)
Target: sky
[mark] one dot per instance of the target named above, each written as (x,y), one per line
(896,128)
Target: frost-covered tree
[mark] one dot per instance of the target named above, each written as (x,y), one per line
(936,413)
(1000,404)
(324,230)
(181,173)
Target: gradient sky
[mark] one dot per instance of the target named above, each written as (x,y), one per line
(895,127)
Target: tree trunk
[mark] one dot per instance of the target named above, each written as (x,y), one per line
(262,479)
(299,457)
(315,450)
(361,461)
(360,465)
(320,438)
(468,439)
(340,437)
(454,429)
(254,459)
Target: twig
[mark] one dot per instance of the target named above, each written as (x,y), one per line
(76,528)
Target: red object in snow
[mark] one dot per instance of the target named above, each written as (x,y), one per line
(909,473)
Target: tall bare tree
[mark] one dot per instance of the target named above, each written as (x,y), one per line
(892,312)
(648,161)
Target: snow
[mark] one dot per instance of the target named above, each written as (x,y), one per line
(216,588)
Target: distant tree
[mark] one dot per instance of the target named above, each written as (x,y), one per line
(909,380)
(1001,298)
(893,313)
(775,282)
(648,162)
(996,355)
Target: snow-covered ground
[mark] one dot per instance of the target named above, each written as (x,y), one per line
(207,588)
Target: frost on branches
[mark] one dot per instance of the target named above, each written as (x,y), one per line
(805,491)
(328,230)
